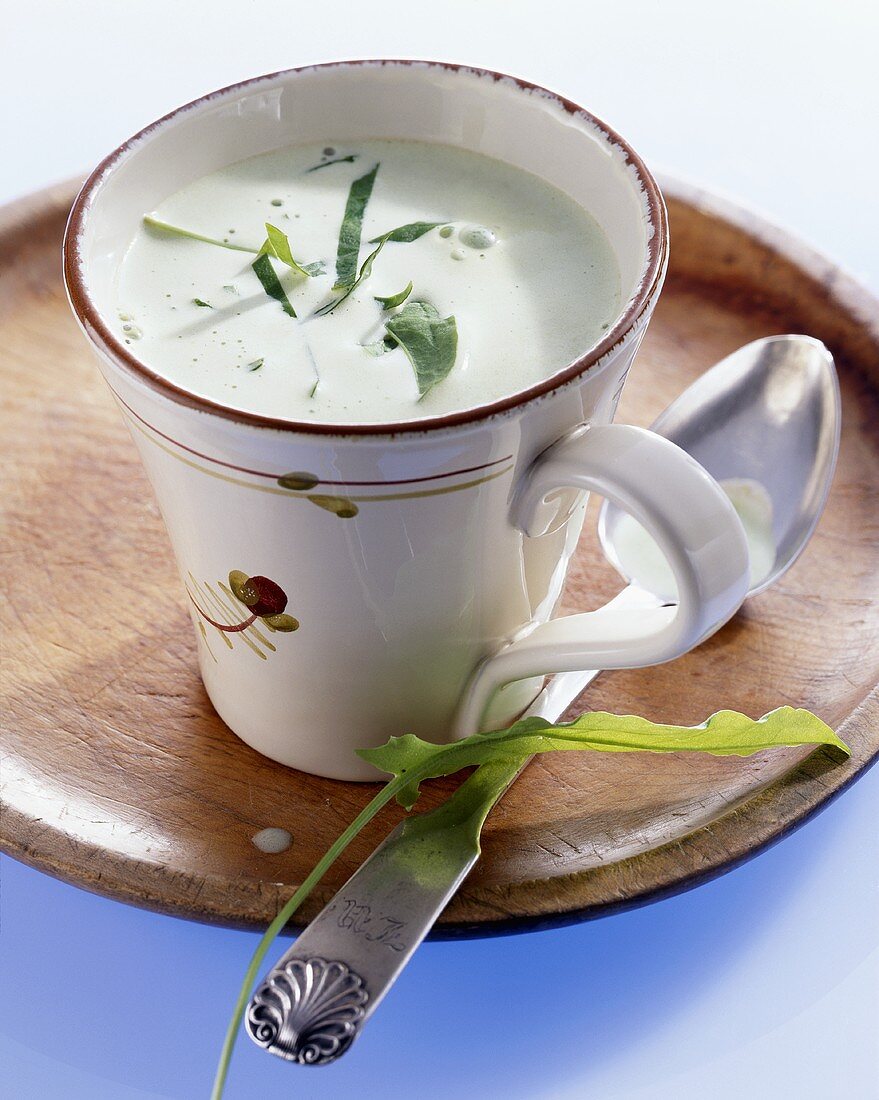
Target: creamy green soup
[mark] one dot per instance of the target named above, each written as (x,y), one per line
(510,280)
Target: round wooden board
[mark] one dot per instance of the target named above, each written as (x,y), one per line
(120,778)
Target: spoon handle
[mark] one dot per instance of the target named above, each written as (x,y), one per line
(313,1003)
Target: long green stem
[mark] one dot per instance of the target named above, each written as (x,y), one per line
(388,792)
(176,231)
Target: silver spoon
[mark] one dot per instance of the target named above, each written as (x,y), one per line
(768,413)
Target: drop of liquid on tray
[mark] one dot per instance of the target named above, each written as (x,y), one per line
(273,841)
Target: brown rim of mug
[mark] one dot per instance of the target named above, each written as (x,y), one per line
(99,332)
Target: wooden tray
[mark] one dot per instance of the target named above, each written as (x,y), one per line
(120,778)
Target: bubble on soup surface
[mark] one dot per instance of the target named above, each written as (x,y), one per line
(478,237)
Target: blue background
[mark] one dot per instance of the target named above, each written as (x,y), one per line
(760,984)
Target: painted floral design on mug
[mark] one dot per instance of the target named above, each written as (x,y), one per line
(301,481)
(235,608)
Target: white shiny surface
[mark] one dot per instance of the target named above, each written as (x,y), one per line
(694,524)
(769,413)
(761,984)
(641,559)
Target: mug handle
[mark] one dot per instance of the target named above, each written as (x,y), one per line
(686,512)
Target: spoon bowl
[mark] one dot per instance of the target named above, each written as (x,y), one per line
(764,422)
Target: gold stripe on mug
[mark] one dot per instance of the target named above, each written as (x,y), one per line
(326,501)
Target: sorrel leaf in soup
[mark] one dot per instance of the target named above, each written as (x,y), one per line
(352,225)
(394,300)
(429,340)
(406,234)
(271,284)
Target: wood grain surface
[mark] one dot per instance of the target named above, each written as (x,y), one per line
(119,777)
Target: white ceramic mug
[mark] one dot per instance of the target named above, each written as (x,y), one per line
(420,564)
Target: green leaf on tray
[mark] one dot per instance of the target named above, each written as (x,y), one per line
(176,231)
(350,231)
(271,284)
(337,160)
(429,340)
(726,733)
(457,823)
(201,302)
(395,300)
